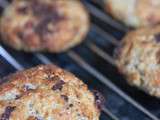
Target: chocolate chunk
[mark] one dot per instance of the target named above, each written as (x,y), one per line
(100,100)
(157,37)
(158,57)
(58,85)
(70,105)
(41,9)
(18,96)
(47,14)
(51,76)
(29,24)
(65,97)
(34,118)
(42,27)
(20,35)
(7,113)
(55,78)
(26,88)
(22,9)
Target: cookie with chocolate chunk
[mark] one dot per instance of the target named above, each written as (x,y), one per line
(47,92)
(135,13)
(139,59)
(44,25)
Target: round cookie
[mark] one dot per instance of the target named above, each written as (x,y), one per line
(44,25)
(138,58)
(46,92)
(135,13)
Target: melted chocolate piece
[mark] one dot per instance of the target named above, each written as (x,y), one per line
(158,57)
(20,35)
(157,37)
(34,118)
(18,96)
(70,105)
(47,14)
(65,97)
(29,24)
(26,88)
(55,78)
(50,76)
(42,29)
(100,100)
(58,85)
(7,113)
(41,9)
(22,9)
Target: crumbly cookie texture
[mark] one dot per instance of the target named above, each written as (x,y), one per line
(46,92)
(44,25)
(135,13)
(138,58)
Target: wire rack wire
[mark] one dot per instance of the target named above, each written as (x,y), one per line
(79,60)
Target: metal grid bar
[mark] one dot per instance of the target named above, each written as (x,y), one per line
(101,53)
(102,16)
(106,35)
(10,59)
(43,59)
(87,67)
(106,111)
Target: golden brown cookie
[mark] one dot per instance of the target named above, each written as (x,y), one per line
(139,59)
(44,25)
(46,92)
(135,13)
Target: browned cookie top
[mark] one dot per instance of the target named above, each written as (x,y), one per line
(48,25)
(46,93)
(135,13)
(139,59)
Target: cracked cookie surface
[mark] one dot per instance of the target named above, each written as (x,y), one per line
(135,13)
(46,92)
(44,25)
(138,58)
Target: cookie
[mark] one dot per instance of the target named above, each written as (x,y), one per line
(47,92)
(135,13)
(138,58)
(44,25)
